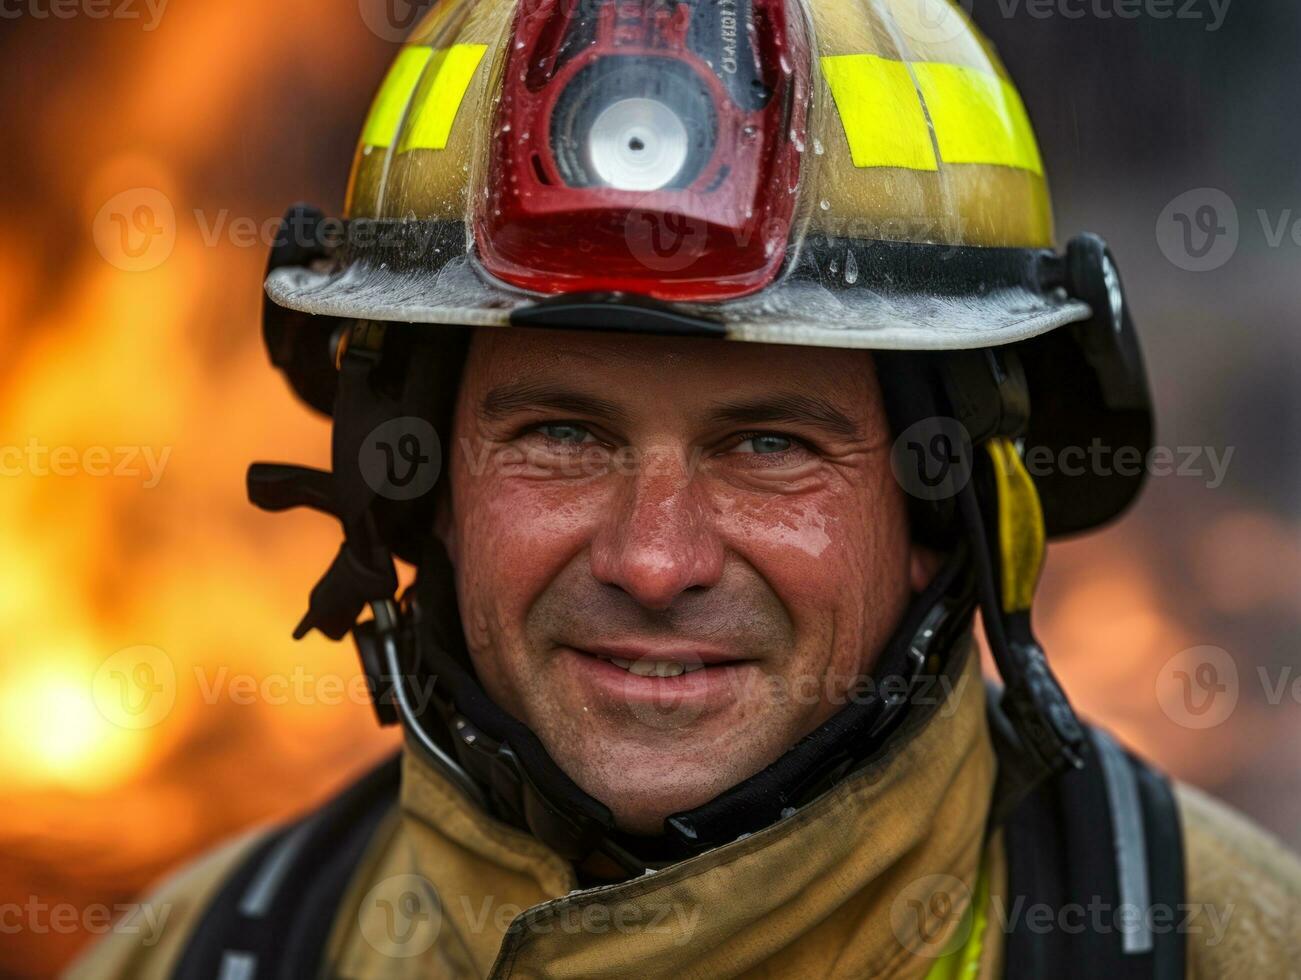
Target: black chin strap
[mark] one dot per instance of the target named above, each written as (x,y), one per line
(523,785)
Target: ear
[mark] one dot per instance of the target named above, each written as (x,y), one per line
(923,564)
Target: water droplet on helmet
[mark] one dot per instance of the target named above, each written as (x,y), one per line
(851,267)
(824,204)
(818,148)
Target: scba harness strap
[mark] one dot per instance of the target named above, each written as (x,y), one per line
(1095,874)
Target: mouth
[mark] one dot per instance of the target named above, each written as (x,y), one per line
(636,673)
(662,661)
(654,668)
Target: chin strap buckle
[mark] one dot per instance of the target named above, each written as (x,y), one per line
(362,572)
(1042,730)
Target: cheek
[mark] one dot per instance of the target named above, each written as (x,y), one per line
(514,537)
(838,559)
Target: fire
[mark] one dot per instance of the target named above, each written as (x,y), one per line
(55,735)
(156,572)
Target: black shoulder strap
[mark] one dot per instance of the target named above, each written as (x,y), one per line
(1096,873)
(272,917)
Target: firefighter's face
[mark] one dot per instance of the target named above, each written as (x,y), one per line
(673,556)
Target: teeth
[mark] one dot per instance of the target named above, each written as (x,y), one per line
(655,668)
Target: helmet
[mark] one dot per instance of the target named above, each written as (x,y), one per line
(841,173)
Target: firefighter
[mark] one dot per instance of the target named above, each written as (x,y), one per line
(692,352)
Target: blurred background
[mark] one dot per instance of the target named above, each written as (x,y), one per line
(134,391)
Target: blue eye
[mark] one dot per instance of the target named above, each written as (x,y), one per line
(565,432)
(766,443)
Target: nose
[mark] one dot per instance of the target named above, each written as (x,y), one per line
(658,540)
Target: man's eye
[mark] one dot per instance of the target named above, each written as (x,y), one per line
(566,432)
(764,443)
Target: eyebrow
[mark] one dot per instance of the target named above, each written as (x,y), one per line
(791,408)
(506,399)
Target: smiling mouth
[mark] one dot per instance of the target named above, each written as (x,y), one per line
(654,668)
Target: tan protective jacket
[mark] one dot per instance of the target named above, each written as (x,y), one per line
(445,891)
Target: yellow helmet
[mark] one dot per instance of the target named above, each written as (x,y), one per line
(850,173)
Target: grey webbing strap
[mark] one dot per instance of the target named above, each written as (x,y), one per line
(1130,841)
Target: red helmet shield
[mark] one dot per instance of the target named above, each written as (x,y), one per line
(648,146)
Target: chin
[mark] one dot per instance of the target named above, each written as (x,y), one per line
(643,784)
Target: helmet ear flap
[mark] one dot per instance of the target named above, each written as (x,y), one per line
(300,345)
(1089,395)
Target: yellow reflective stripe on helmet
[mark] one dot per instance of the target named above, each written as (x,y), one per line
(978,117)
(391,102)
(1020,526)
(440,96)
(882,116)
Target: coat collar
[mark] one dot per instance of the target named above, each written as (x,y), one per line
(822,892)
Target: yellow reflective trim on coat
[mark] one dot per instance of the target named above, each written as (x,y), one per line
(1020,526)
(881,112)
(978,117)
(440,97)
(963,963)
(394,94)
